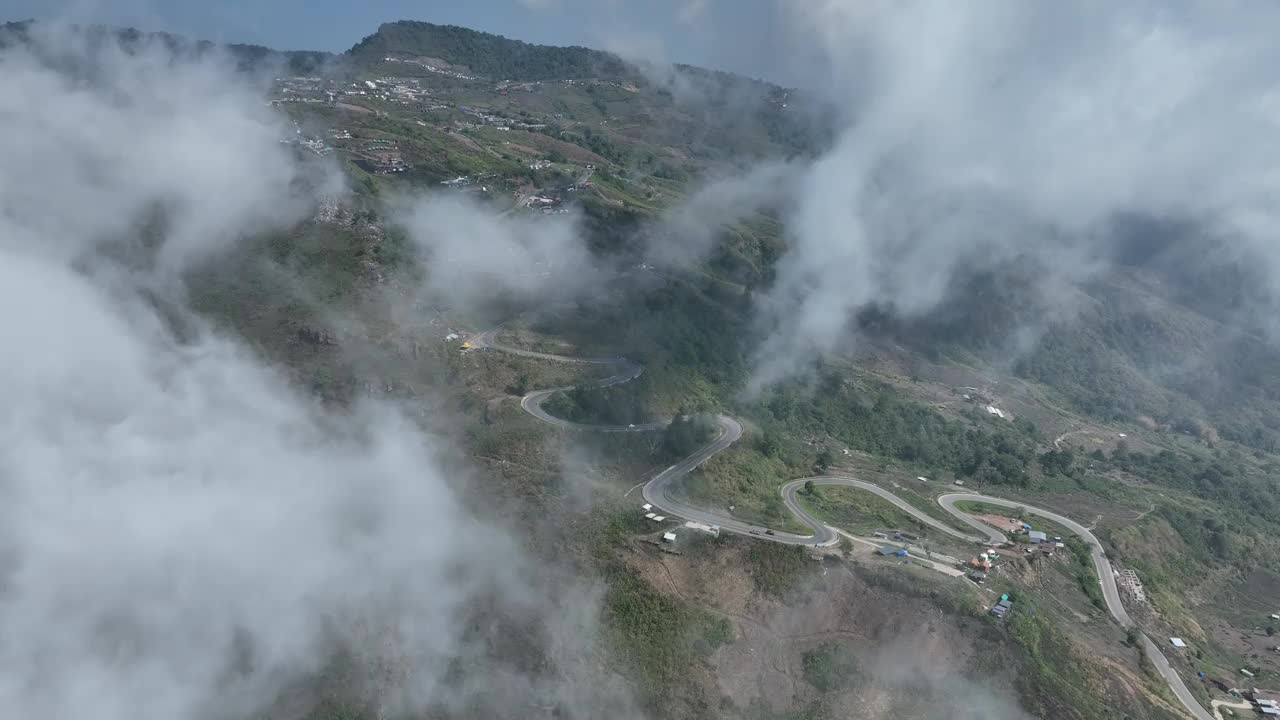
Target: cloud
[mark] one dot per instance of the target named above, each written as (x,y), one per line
(690,12)
(1016,132)
(472,256)
(689,229)
(183,534)
(123,139)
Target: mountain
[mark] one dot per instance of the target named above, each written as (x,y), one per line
(248,57)
(490,56)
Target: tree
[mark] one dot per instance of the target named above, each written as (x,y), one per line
(769,444)
(1132,637)
(520,386)
(825,460)
(685,434)
(808,487)
(1271,630)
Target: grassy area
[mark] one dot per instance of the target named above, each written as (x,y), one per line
(857,511)
(654,634)
(1084,572)
(747,479)
(830,666)
(590,404)
(1057,674)
(777,569)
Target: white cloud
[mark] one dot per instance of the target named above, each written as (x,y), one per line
(977,134)
(182,534)
(472,255)
(690,12)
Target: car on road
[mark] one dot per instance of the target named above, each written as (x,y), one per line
(768,532)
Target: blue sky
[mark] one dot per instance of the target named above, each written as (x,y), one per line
(737,35)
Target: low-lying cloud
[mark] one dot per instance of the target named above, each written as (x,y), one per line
(472,255)
(183,534)
(1016,132)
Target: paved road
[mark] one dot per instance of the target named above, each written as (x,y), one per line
(988,534)
(658,492)
(1106,578)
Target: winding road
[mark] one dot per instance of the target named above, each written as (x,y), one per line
(658,492)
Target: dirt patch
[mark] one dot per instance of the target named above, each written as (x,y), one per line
(573,153)
(465,141)
(907,653)
(1000,522)
(354,108)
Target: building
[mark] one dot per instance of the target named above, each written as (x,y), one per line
(1037,536)
(1268,702)
(1002,608)
(669,537)
(1177,642)
(887,550)
(978,576)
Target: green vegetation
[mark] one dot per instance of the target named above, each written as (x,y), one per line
(1225,476)
(744,477)
(690,334)
(830,666)
(777,569)
(623,404)
(491,56)
(858,511)
(1083,570)
(880,421)
(686,434)
(657,635)
(1058,675)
